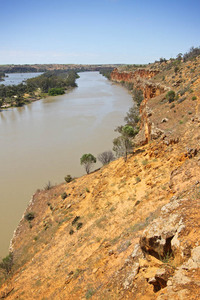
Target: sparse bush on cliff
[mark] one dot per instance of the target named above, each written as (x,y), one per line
(64,195)
(29,216)
(137,96)
(170,96)
(68,178)
(128,85)
(132,116)
(192,54)
(79,226)
(162,60)
(7,263)
(87,160)
(71,231)
(48,186)
(176,69)
(106,157)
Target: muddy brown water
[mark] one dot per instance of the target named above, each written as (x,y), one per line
(43,141)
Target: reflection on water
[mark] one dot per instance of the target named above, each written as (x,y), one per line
(44,141)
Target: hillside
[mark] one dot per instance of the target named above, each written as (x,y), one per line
(130,229)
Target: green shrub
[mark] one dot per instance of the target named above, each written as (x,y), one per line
(68,178)
(176,69)
(71,231)
(170,96)
(56,91)
(64,195)
(75,220)
(79,226)
(137,179)
(194,98)
(7,263)
(29,216)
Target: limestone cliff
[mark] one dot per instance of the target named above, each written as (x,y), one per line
(129,230)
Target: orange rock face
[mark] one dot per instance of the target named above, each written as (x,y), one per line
(140,80)
(131,76)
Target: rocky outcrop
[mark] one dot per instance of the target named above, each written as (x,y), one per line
(141,80)
(132,76)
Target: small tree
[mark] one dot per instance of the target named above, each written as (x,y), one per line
(123,144)
(106,157)
(88,160)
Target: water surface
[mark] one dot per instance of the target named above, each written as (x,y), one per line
(44,141)
(17,78)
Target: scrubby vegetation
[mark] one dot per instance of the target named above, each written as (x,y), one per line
(87,160)
(170,96)
(68,178)
(106,157)
(29,216)
(7,263)
(56,91)
(106,71)
(191,54)
(51,82)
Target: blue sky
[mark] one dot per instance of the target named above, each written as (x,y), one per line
(96,31)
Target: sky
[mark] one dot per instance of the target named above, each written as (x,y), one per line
(96,31)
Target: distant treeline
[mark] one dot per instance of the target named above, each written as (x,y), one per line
(20,69)
(191,54)
(35,88)
(52,79)
(50,67)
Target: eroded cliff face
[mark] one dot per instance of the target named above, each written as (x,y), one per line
(131,76)
(127,231)
(141,80)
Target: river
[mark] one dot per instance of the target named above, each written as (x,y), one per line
(43,141)
(17,78)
